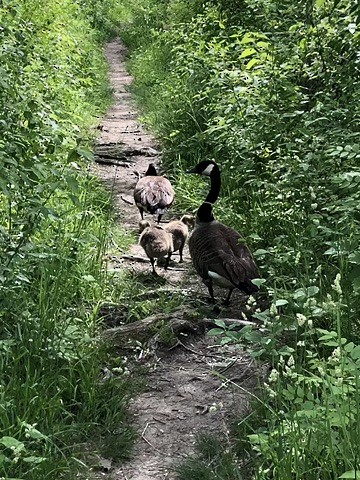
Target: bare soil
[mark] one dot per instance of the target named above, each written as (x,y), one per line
(199,386)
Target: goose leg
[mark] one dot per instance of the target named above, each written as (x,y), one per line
(152,261)
(180,253)
(159,218)
(227,299)
(211,292)
(141,213)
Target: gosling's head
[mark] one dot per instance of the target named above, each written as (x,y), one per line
(188,220)
(143,224)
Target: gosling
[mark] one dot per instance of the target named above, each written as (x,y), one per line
(157,243)
(179,230)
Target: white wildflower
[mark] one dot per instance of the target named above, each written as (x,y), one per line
(270,391)
(312,193)
(336,353)
(251,300)
(336,285)
(310,323)
(301,343)
(297,258)
(274,375)
(291,361)
(273,309)
(339,381)
(301,319)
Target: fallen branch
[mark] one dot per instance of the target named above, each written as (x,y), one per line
(135,258)
(129,202)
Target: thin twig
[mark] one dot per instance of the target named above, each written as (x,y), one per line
(129,202)
(147,441)
(200,354)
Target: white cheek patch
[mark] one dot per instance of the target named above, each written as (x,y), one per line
(219,280)
(208,170)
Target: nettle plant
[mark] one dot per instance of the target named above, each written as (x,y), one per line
(312,421)
(311,400)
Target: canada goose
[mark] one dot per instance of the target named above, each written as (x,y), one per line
(179,230)
(218,252)
(157,243)
(153,194)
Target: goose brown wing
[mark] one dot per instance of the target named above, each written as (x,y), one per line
(154,193)
(216,247)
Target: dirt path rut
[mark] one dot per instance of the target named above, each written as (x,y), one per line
(184,396)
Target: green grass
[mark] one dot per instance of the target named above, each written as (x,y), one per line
(56,226)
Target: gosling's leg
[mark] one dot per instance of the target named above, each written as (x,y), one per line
(167,260)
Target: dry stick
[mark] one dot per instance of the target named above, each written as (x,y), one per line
(147,441)
(135,258)
(201,354)
(129,202)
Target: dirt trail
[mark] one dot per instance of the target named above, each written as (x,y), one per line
(184,397)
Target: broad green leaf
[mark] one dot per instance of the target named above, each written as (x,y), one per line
(248,52)
(220,323)
(215,331)
(354,474)
(260,251)
(252,63)
(258,281)
(11,442)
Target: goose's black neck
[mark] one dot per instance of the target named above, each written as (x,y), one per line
(151,170)
(204,213)
(215,185)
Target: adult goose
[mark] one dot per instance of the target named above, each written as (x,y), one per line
(218,252)
(153,194)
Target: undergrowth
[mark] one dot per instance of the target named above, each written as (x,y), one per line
(271,91)
(54,231)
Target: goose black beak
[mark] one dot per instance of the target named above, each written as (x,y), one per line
(192,170)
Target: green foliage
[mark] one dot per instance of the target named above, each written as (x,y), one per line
(271,91)
(215,462)
(53,234)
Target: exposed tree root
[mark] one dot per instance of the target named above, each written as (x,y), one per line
(180,320)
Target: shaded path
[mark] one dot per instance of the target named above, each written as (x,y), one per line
(184,397)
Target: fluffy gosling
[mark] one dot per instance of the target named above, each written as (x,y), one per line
(179,230)
(157,243)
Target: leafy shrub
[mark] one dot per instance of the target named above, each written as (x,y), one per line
(54,230)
